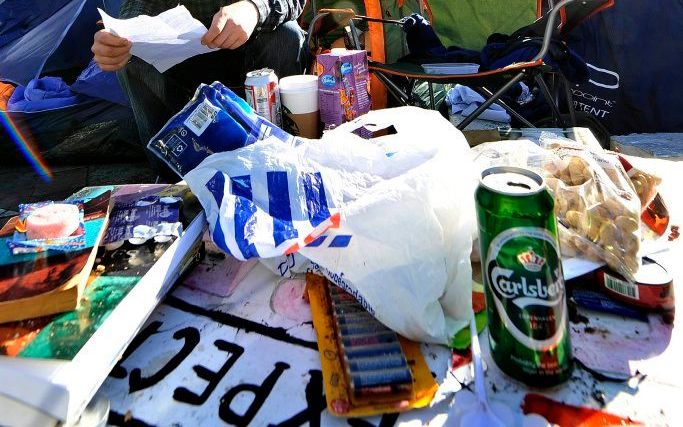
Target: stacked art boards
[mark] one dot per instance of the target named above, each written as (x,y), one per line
(53,360)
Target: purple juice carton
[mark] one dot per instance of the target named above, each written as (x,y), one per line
(343,86)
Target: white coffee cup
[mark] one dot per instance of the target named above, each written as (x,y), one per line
(299,97)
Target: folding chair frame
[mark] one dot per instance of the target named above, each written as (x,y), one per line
(534,70)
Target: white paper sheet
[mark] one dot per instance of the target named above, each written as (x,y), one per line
(575,267)
(163,40)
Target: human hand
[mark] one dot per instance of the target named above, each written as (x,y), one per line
(111,52)
(232,26)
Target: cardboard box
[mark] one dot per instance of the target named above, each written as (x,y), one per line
(479,136)
(343,86)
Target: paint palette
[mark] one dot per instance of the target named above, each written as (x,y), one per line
(367,368)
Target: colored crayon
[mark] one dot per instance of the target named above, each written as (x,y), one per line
(369,339)
(397,378)
(347,303)
(343,297)
(361,328)
(344,309)
(357,364)
(375,350)
(354,318)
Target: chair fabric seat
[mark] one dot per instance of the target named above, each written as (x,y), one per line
(415,71)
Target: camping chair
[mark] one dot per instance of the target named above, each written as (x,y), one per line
(571,13)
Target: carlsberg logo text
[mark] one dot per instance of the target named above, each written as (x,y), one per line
(501,279)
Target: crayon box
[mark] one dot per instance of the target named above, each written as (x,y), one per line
(343,86)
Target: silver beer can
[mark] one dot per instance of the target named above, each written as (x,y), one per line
(263,94)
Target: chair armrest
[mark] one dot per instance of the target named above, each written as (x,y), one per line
(550,28)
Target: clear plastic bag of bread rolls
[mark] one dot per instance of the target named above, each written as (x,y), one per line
(645,183)
(596,205)
(646,186)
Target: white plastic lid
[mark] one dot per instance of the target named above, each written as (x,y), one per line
(298,83)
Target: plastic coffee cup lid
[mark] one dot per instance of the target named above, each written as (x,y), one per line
(298,83)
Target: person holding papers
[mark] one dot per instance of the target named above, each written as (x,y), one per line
(242,36)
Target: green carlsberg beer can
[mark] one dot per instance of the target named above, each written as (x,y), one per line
(522,271)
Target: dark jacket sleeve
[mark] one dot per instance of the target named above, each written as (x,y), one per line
(133,8)
(275,12)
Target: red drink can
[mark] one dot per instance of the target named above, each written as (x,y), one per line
(652,289)
(263,94)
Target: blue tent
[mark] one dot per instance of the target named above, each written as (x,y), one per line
(53,38)
(40,37)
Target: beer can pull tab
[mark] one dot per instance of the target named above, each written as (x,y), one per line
(519,184)
(511,182)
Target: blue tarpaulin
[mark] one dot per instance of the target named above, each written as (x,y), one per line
(42,42)
(53,41)
(18,17)
(635,56)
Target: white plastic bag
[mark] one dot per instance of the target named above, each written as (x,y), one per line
(389,219)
